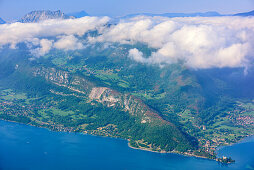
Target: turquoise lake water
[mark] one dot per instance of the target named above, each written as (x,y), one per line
(27,147)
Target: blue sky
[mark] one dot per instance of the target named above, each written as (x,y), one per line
(11,9)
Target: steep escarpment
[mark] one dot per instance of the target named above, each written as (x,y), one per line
(64,79)
(103,95)
(128,103)
(157,134)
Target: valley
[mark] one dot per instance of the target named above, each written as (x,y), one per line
(110,101)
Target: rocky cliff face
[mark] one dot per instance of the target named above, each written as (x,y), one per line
(103,95)
(37,16)
(64,79)
(127,102)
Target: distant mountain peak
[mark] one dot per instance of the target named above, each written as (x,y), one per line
(2,21)
(40,15)
(196,14)
(172,15)
(78,14)
(251,13)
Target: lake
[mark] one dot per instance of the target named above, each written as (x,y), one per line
(28,147)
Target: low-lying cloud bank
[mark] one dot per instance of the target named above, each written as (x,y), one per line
(63,30)
(199,42)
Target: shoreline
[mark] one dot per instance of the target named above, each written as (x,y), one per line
(128,142)
(186,154)
(231,144)
(172,152)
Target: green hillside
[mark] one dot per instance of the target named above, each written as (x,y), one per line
(101,91)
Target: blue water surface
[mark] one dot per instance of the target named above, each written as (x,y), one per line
(27,147)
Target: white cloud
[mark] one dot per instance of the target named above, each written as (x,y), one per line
(69,42)
(200,42)
(45,46)
(20,32)
(136,55)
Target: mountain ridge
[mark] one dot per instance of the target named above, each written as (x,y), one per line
(172,15)
(79,14)
(2,21)
(251,13)
(41,15)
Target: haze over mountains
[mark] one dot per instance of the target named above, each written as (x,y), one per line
(198,14)
(40,15)
(206,14)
